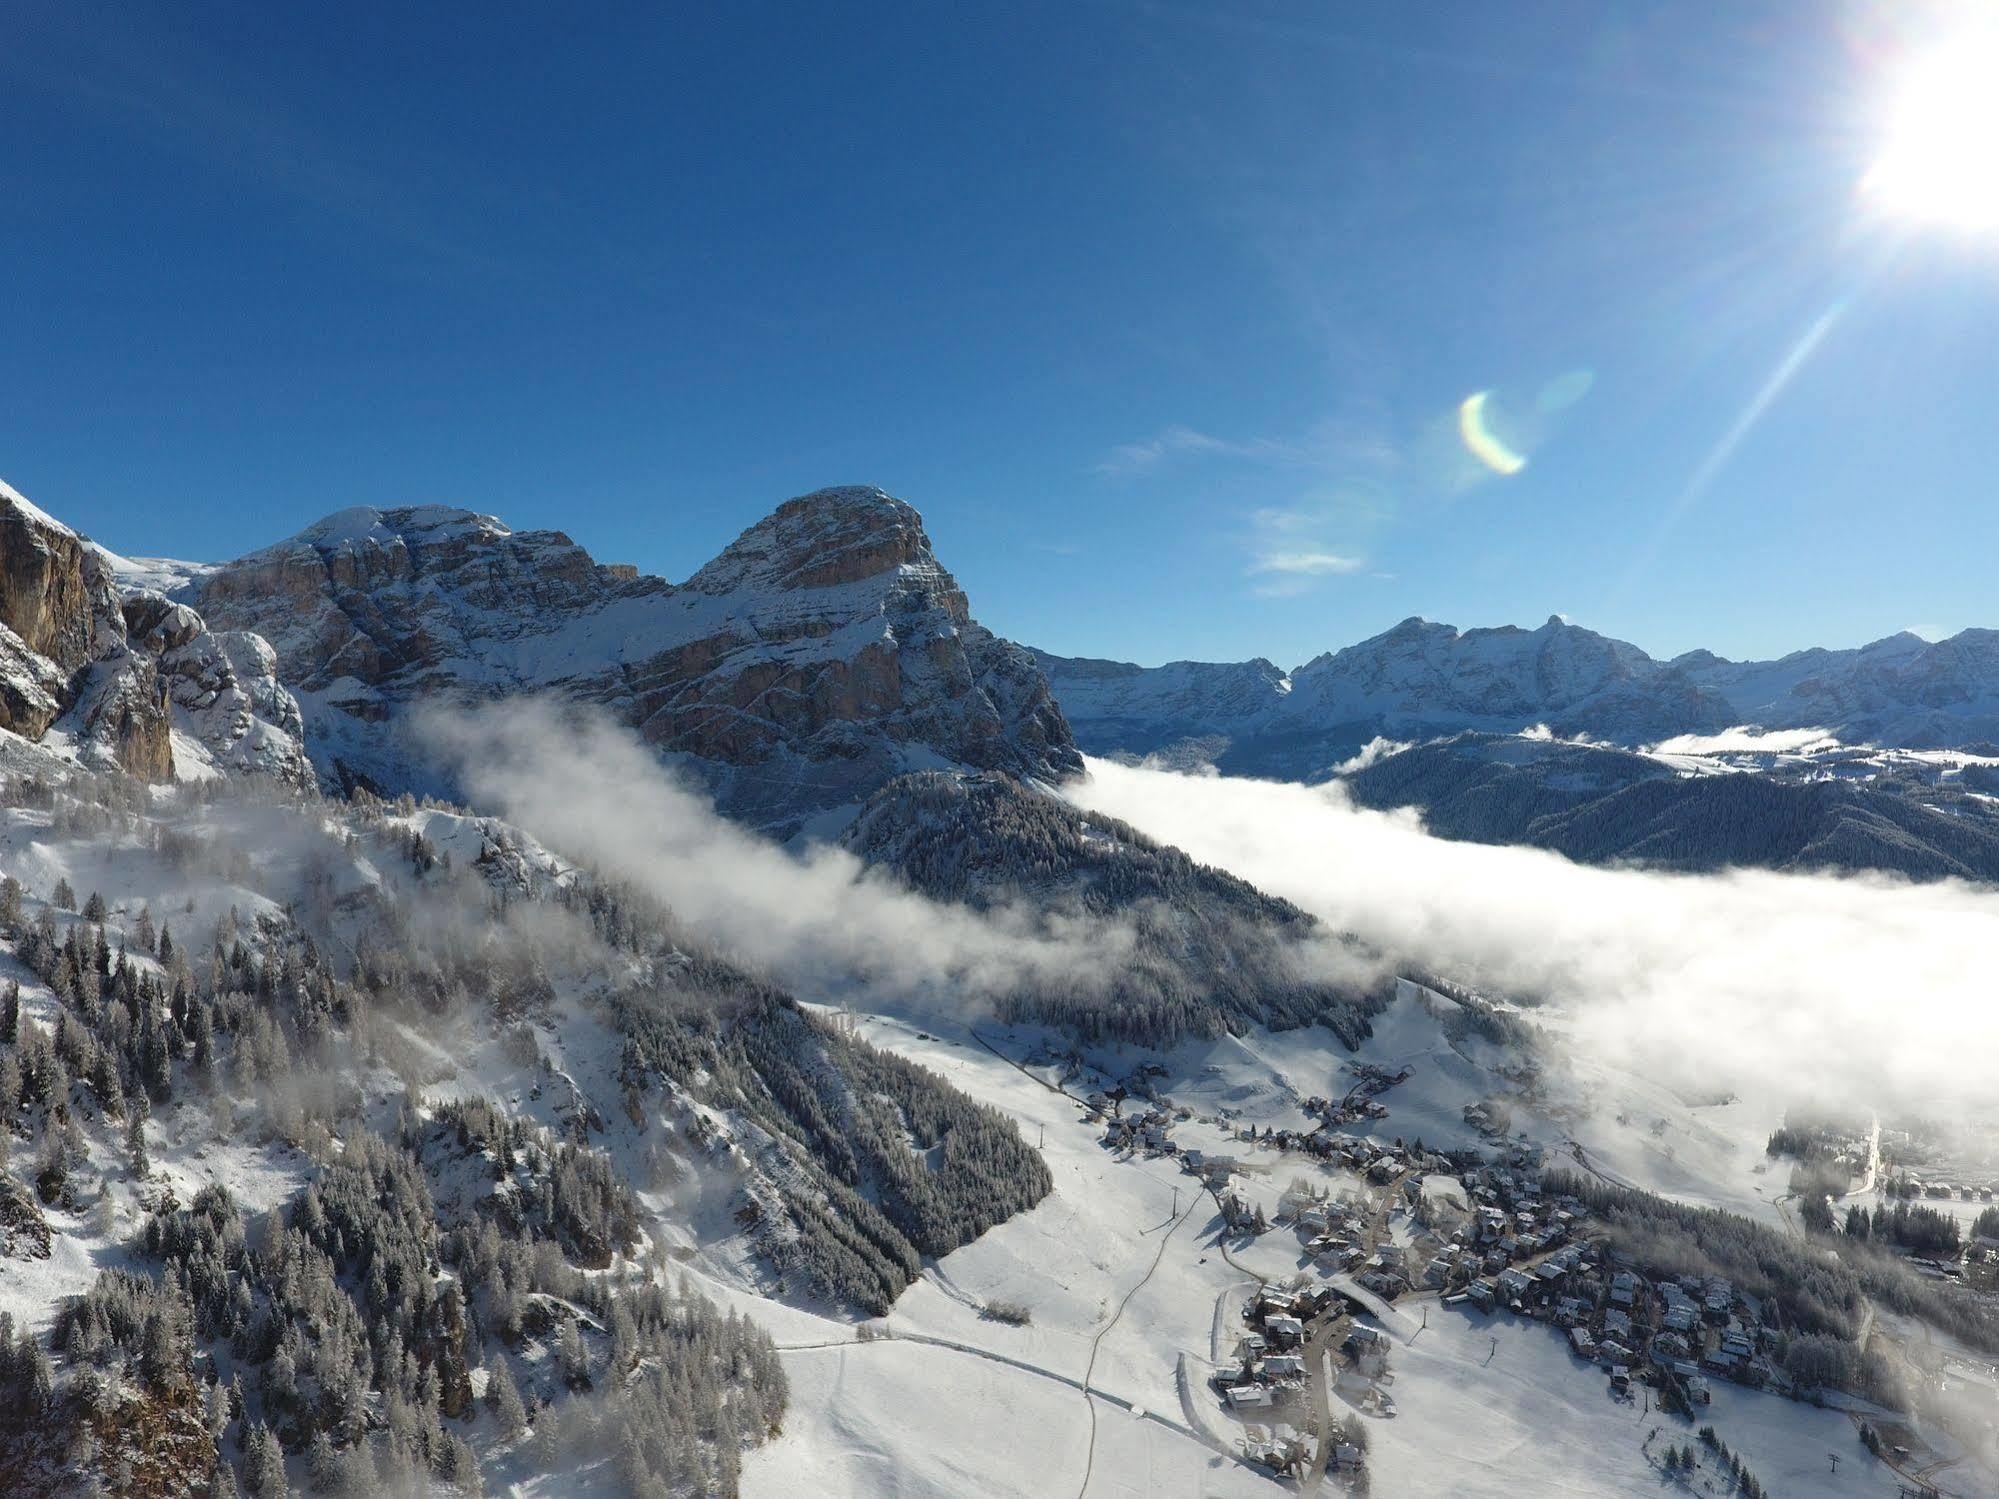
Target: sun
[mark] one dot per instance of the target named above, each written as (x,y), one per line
(1939,162)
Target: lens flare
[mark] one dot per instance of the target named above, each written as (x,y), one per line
(1939,164)
(1481,441)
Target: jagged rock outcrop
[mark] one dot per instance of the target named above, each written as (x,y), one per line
(824,652)
(124,673)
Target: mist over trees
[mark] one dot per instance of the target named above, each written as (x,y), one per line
(1210,954)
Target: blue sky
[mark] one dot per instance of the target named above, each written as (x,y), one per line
(1164,315)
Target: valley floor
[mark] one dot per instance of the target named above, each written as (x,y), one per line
(1130,1291)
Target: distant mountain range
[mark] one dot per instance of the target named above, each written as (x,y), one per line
(1420,680)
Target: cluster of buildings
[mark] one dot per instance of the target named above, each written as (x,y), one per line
(1915,1186)
(1269,1370)
(1362,1100)
(1379,1163)
(1270,1376)
(1677,1331)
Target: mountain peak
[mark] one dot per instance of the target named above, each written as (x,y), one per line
(12,499)
(366,525)
(822,540)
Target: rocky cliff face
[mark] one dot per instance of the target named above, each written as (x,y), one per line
(119,675)
(824,652)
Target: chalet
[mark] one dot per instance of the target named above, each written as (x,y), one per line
(1582,1342)
(1284,1331)
(1617,1324)
(1483,1294)
(1317,1300)
(1515,1284)
(1624,1287)
(1247,1396)
(1284,1366)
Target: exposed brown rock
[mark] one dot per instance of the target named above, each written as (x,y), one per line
(45,598)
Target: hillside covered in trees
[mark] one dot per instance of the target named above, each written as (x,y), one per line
(374,1116)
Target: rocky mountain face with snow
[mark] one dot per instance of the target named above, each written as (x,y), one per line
(1422,679)
(824,652)
(121,678)
(1902,690)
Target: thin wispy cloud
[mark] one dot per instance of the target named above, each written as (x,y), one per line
(1176,444)
(1283,574)
(1338,475)
(1307,564)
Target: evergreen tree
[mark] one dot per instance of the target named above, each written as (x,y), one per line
(135,1139)
(503,1399)
(264,1464)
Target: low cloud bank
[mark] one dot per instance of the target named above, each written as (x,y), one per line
(1771,985)
(1748,740)
(590,789)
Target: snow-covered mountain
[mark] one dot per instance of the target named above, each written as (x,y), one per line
(1422,679)
(823,653)
(120,678)
(1902,690)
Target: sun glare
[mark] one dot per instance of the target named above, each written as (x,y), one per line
(1939,164)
